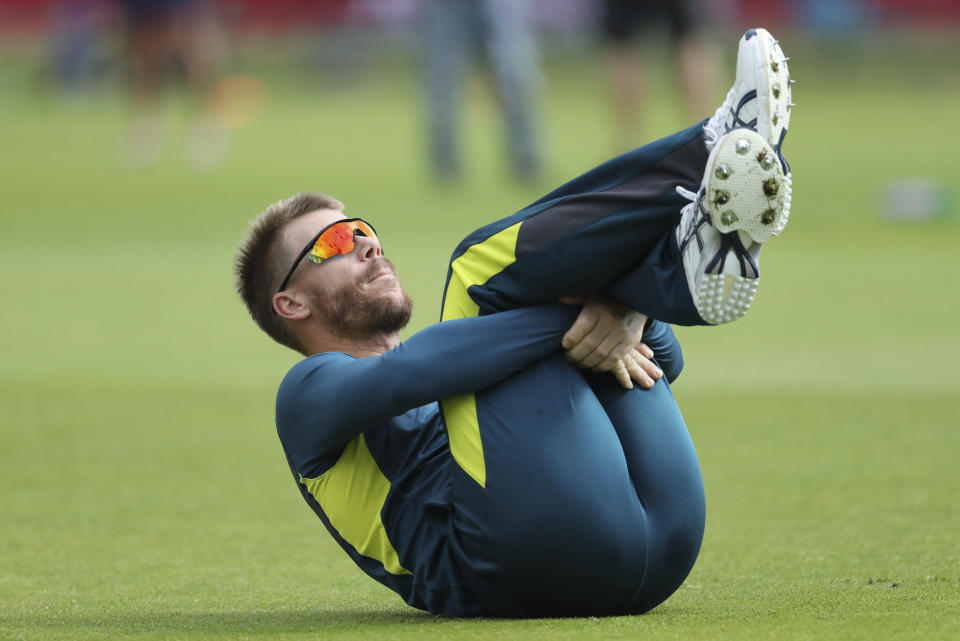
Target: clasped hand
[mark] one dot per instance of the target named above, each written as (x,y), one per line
(606,337)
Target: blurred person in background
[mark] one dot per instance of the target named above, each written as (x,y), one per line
(167,38)
(686,23)
(453,30)
(79,56)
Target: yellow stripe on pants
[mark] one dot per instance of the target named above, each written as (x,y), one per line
(474,267)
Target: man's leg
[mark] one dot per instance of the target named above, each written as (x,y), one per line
(572,242)
(446,41)
(666,475)
(583,236)
(593,501)
(698,259)
(512,52)
(549,518)
(603,480)
(554,525)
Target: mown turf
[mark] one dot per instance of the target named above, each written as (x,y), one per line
(143,493)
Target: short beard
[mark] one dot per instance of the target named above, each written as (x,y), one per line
(355,313)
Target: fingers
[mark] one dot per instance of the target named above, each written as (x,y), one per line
(627,363)
(635,367)
(622,375)
(640,375)
(643,370)
(585,351)
(603,335)
(650,368)
(585,322)
(645,350)
(614,351)
(605,355)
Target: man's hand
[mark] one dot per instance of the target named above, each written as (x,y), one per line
(606,338)
(637,366)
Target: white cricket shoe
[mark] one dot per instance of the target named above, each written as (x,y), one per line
(742,202)
(760,98)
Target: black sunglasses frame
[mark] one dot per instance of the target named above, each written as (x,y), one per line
(313,241)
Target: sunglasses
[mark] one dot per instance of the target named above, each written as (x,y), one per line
(335,239)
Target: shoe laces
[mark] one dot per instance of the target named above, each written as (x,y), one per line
(716,126)
(689,195)
(688,215)
(687,212)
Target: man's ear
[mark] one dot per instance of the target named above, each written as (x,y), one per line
(290,306)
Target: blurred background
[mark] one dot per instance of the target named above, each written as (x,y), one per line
(138,138)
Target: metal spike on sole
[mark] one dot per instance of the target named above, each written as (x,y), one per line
(755,196)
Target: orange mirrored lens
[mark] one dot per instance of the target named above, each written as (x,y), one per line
(338,239)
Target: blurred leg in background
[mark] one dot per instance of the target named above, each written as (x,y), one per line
(687,24)
(447,43)
(204,52)
(513,63)
(166,39)
(78,51)
(454,30)
(149,35)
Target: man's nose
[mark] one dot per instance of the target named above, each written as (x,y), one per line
(368,248)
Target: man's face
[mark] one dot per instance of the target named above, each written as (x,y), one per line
(356,294)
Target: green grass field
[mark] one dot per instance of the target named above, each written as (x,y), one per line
(143,492)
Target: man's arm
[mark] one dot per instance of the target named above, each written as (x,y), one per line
(334,397)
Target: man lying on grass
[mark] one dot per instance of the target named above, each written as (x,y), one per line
(502,462)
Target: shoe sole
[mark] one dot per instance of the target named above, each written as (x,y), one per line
(764,58)
(723,298)
(746,195)
(746,188)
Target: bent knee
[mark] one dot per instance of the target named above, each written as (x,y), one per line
(672,554)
